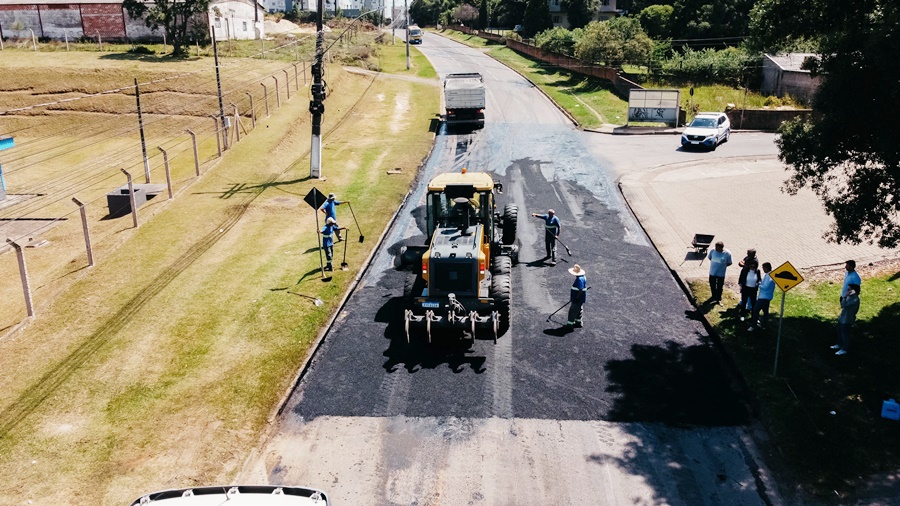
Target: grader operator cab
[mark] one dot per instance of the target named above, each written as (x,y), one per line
(464,271)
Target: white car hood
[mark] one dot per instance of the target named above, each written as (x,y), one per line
(705,132)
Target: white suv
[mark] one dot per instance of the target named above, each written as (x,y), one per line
(708,130)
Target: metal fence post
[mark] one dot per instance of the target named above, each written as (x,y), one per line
(265,97)
(277,95)
(23,273)
(218,139)
(296,78)
(196,154)
(252,110)
(237,121)
(134,217)
(87,233)
(168,174)
(287,83)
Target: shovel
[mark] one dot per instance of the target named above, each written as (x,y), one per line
(344,266)
(317,301)
(361,236)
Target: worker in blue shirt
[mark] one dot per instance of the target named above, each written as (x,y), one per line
(766,294)
(330,210)
(577,297)
(331,228)
(719,260)
(850,277)
(552,228)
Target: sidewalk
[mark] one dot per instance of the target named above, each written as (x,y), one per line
(739,200)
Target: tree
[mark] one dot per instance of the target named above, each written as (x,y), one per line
(847,152)
(711,18)
(465,14)
(483,20)
(579,12)
(175,17)
(425,12)
(558,40)
(656,20)
(537,17)
(614,42)
(510,13)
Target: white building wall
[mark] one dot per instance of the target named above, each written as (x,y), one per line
(236,20)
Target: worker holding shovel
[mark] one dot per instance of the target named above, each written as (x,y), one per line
(330,210)
(577,297)
(328,231)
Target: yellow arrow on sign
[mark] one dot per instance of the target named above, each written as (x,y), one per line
(786,276)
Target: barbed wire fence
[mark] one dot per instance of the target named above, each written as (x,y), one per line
(70,180)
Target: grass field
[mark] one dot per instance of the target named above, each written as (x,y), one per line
(822,411)
(159,366)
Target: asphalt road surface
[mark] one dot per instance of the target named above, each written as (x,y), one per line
(635,408)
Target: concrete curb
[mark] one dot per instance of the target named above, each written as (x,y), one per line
(350,291)
(753,403)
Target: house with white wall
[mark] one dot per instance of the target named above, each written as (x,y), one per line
(606,9)
(237,19)
(783,75)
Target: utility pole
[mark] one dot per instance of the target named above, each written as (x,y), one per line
(406,17)
(393,20)
(219,85)
(316,105)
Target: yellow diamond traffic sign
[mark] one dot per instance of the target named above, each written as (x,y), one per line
(786,276)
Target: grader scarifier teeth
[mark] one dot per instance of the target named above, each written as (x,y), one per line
(430,317)
(495,317)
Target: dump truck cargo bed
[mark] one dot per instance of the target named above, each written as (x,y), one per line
(464,98)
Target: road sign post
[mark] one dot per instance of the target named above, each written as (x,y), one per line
(315,198)
(786,277)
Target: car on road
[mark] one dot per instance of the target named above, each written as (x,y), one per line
(415,34)
(707,130)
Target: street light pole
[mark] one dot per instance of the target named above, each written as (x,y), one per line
(406,17)
(316,105)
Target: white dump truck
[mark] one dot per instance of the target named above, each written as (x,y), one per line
(464,99)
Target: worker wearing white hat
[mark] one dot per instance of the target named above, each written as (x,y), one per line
(330,210)
(577,297)
(327,232)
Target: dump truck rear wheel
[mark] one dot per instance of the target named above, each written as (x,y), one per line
(510,219)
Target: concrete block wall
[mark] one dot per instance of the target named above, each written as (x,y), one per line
(763,119)
(137,30)
(16,21)
(74,21)
(105,19)
(59,21)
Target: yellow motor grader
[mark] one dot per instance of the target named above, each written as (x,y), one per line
(464,278)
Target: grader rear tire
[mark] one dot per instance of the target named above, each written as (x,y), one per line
(500,265)
(501,292)
(510,219)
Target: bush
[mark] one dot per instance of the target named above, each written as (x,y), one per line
(614,42)
(558,40)
(141,50)
(732,66)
